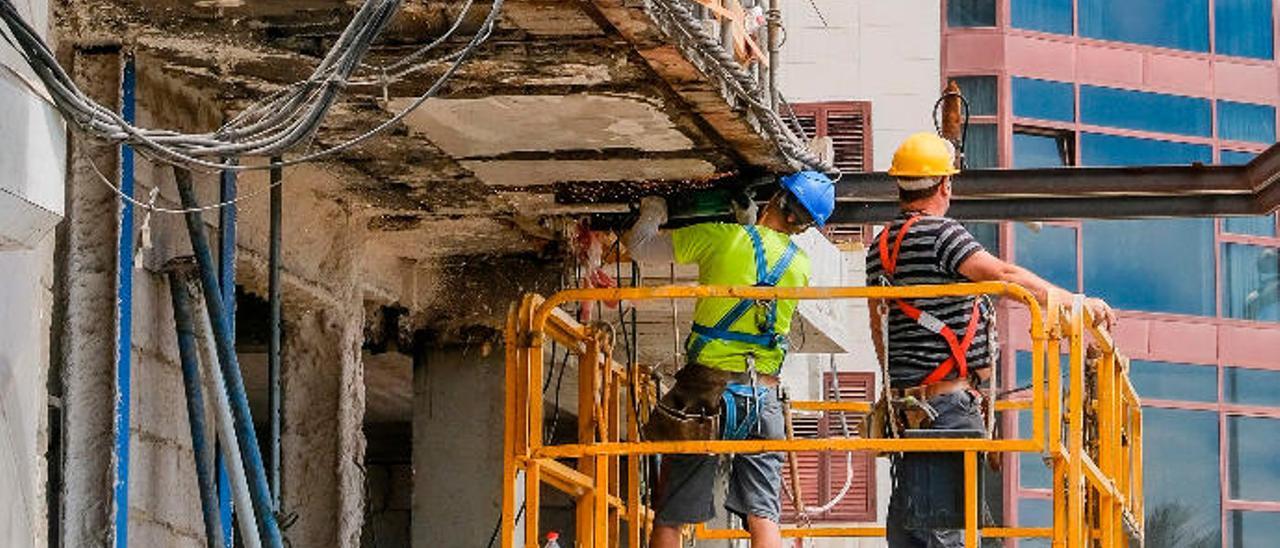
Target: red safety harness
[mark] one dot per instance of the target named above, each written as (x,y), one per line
(959,347)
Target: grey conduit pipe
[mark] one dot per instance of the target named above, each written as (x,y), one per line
(230,450)
(246,435)
(273,344)
(189,356)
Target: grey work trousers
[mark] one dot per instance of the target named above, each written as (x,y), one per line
(926,509)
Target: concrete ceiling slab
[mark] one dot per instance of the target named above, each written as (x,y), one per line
(544,172)
(550,18)
(500,124)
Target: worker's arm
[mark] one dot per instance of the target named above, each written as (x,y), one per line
(644,242)
(982,266)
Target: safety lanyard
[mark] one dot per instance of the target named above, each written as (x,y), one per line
(959,347)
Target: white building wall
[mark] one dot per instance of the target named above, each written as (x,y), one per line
(32,161)
(886,52)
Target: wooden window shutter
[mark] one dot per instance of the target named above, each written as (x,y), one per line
(860,502)
(848,124)
(822,474)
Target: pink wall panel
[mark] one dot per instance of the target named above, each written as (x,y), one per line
(1179,74)
(1040,58)
(1176,341)
(1247,82)
(1132,336)
(977,52)
(1256,346)
(1110,66)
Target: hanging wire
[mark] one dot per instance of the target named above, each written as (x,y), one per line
(280,122)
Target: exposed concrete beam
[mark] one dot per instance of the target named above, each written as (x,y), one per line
(674,62)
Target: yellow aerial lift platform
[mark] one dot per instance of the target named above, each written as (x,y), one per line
(1089,431)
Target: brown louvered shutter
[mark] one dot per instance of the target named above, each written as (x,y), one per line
(809,464)
(848,124)
(859,504)
(822,474)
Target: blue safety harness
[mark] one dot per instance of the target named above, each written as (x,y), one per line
(736,394)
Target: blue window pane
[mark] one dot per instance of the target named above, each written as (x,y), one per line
(1251,386)
(1180,467)
(1246,122)
(1179,24)
(1163,265)
(1243,28)
(1034,151)
(1259,225)
(1034,513)
(1032,472)
(1252,460)
(1043,99)
(1236,157)
(1022,364)
(980,92)
(981,149)
(1051,253)
(1097,149)
(987,234)
(1146,111)
(1042,15)
(1174,381)
(1248,529)
(971,13)
(1251,282)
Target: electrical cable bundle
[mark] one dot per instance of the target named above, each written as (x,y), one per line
(278,123)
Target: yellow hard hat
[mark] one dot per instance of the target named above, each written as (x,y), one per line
(924,154)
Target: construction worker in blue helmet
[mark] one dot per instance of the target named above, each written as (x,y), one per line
(728,387)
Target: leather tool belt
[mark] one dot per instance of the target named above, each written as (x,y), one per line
(693,408)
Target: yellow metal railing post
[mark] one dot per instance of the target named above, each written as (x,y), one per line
(1076,536)
(971,502)
(511,386)
(587,509)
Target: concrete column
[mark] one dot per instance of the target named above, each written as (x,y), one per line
(88,334)
(322,437)
(457,445)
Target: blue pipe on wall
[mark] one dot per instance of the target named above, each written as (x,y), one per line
(227,281)
(124,318)
(189,356)
(246,435)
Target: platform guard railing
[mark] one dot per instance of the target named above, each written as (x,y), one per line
(1087,425)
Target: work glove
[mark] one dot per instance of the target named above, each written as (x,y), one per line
(653,211)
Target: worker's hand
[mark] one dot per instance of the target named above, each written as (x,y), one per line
(1101,312)
(653,211)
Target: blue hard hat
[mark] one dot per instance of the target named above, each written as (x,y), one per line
(815,192)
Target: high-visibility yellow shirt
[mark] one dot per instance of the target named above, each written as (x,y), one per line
(724,256)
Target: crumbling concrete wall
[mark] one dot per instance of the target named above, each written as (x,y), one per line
(88,334)
(457,445)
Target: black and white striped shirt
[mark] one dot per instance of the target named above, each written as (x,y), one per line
(931,253)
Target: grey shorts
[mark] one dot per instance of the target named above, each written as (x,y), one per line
(684,493)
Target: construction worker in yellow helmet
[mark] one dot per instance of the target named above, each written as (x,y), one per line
(937,352)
